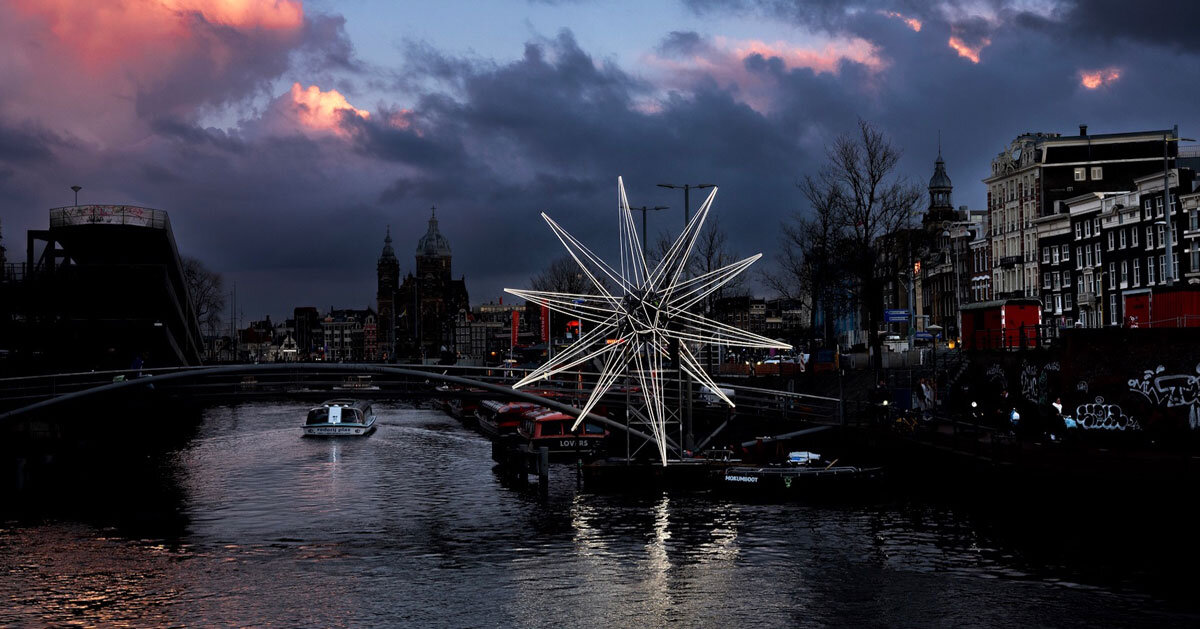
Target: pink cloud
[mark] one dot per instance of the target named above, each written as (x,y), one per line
(101,70)
(825,58)
(911,22)
(147,33)
(968,51)
(319,110)
(1095,79)
(725,61)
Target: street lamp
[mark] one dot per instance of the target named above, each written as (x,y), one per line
(643,210)
(686,187)
(76,189)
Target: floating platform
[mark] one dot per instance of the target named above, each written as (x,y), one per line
(624,475)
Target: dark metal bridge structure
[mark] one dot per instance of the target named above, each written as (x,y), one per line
(46,395)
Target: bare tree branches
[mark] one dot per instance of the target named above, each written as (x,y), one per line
(563,276)
(205,288)
(830,257)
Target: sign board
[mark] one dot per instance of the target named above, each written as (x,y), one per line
(893,315)
(924,336)
(516,325)
(545,324)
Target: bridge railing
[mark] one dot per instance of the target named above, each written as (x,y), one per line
(572,388)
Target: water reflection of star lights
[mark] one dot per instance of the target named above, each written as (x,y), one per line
(634,324)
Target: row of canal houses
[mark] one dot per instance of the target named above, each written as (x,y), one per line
(1076,232)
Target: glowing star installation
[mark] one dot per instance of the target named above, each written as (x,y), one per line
(631,328)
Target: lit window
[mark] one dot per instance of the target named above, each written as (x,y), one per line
(1080,174)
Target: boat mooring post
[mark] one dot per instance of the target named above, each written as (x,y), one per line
(543,469)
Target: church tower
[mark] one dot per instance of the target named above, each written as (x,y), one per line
(388,274)
(430,299)
(433,254)
(941,208)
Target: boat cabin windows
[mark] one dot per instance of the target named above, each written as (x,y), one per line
(317,416)
(337,415)
(552,428)
(593,429)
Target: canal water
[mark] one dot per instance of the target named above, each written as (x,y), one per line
(249,524)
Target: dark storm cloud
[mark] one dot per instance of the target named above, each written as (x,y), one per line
(683,43)
(551,132)
(1167,23)
(297,215)
(27,142)
(318,47)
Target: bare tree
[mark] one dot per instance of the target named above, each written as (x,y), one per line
(563,276)
(711,253)
(809,273)
(206,290)
(867,203)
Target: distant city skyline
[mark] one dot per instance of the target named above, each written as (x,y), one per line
(284,137)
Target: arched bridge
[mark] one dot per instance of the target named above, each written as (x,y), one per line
(22,396)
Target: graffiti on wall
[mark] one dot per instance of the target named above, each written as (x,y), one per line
(1034,381)
(1171,390)
(995,374)
(1101,416)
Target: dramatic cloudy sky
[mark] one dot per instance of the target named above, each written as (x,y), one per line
(283,136)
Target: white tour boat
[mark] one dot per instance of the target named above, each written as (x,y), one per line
(352,418)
